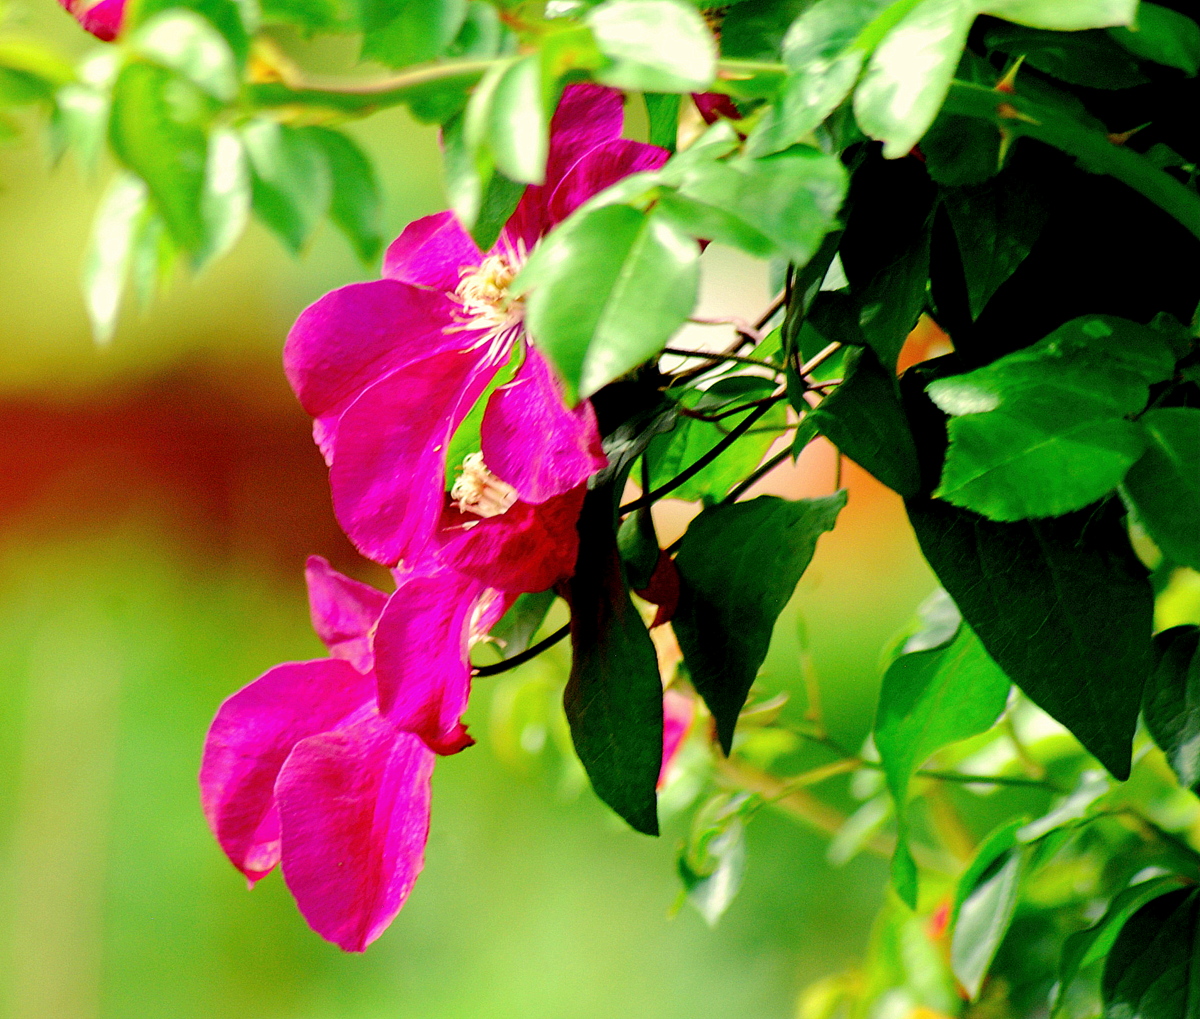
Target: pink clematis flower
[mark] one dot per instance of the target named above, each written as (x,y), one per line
(102,19)
(390,368)
(301,768)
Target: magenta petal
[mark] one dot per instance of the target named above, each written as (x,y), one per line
(102,19)
(357,333)
(422,671)
(533,441)
(432,252)
(388,476)
(588,115)
(354,818)
(678,711)
(598,169)
(343,612)
(252,735)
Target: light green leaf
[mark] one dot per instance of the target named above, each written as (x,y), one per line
(654,46)
(1043,431)
(419,31)
(983,920)
(995,846)
(291,179)
(713,860)
(518,132)
(642,275)
(226,199)
(186,43)
(233,19)
(107,260)
(1164,485)
(1164,36)
(81,112)
(1091,786)
(910,72)
(154,257)
(1063,15)
(356,203)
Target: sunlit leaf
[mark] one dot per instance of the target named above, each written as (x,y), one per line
(107,261)
(356,203)
(654,46)
(291,178)
(1164,485)
(226,199)
(983,920)
(186,43)
(419,30)
(1164,36)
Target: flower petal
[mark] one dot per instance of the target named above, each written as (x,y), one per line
(343,612)
(678,711)
(354,335)
(422,671)
(598,169)
(388,476)
(102,19)
(432,252)
(528,548)
(252,735)
(533,441)
(354,818)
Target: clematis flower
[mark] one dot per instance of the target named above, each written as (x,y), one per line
(300,767)
(390,368)
(103,19)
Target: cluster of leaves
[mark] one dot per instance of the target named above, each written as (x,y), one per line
(1021,171)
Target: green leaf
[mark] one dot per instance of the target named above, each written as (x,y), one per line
(1064,15)
(225,203)
(106,263)
(663,111)
(309,15)
(672,452)
(1029,591)
(863,418)
(184,42)
(482,32)
(34,71)
(990,852)
(983,920)
(712,861)
(1091,786)
(356,203)
(157,129)
(961,150)
(755,29)
(728,603)
(910,72)
(1152,969)
(154,256)
(1092,59)
(642,274)
(420,30)
(1085,947)
(291,179)
(638,546)
(81,113)
(996,225)
(1043,431)
(515,630)
(613,698)
(228,17)
(519,121)
(1163,36)
(790,198)
(1164,485)
(1171,702)
(654,46)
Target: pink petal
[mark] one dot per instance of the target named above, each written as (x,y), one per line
(528,548)
(102,19)
(354,335)
(343,612)
(432,252)
(678,711)
(252,735)
(389,473)
(598,169)
(533,441)
(354,818)
(422,671)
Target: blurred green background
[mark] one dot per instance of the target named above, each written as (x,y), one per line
(157,502)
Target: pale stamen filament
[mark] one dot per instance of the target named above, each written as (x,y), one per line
(477,490)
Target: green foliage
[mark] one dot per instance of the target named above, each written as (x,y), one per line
(1149,970)
(1171,703)
(1164,485)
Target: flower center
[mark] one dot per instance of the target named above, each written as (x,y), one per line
(477,490)
(483,294)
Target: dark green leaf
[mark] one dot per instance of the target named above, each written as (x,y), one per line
(1085,947)
(515,630)
(1043,431)
(1092,58)
(1164,36)
(638,545)
(157,129)
(1164,485)
(1151,969)
(983,920)
(995,224)
(355,205)
(754,29)
(642,275)
(728,603)
(663,110)
(863,418)
(961,150)
(418,31)
(653,46)
(1171,703)
(291,179)
(1029,591)
(613,698)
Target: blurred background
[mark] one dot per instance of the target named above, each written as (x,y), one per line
(157,500)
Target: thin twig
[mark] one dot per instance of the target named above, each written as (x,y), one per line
(527,655)
(724,357)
